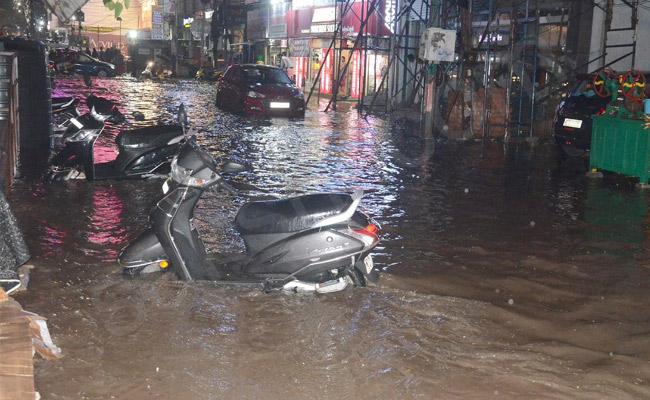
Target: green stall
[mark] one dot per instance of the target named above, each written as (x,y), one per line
(620,145)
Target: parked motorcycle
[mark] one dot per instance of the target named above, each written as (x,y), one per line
(64,109)
(143,152)
(313,243)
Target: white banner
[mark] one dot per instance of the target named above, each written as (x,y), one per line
(438,45)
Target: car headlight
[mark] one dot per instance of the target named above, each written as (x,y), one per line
(255,95)
(83,135)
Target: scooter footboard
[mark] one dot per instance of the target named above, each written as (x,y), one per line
(143,251)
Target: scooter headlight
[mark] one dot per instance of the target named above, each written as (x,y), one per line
(184,176)
(98,117)
(84,135)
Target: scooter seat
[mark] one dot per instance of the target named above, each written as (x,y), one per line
(150,136)
(290,215)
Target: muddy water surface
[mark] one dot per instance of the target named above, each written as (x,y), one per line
(506,275)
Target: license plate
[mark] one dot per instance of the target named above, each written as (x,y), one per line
(165,187)
(76,123)
(368,263)
(572,123)
(275,104)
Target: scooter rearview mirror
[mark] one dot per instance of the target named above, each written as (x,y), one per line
(183,119)
(232,167)
(87,80)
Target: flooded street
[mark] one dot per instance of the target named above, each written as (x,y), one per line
(506,274)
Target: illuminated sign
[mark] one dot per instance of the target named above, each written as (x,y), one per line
(326,14)
(187,22)
(389,13)
(325,28)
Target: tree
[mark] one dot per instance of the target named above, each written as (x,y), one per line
(117,6)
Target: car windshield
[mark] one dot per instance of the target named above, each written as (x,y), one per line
(584,88)
(265,75)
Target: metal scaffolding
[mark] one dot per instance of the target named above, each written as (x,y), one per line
(513,60)
(407,23)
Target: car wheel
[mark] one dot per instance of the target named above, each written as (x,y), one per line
(572,151)
(102,73)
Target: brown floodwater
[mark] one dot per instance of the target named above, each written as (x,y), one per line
(506,273)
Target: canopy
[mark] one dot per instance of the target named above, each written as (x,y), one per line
(65,9)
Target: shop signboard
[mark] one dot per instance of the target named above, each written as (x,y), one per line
(319,17)
(157,23)
(299,47)
(303,4)
(374,26)
(278,19)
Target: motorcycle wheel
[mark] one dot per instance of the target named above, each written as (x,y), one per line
(356,275)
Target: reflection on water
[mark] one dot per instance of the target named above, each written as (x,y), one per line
(507,275)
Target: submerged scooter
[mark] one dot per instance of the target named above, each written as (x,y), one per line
(143,152)
(312,243)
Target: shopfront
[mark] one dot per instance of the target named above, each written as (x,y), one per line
(310,27)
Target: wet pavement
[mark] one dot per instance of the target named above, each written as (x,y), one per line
(506,274)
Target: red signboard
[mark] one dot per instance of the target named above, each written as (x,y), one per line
(302,22)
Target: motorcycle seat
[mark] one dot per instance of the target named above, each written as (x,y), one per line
(290,215)
(150,136)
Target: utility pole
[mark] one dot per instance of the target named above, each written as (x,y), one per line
(174,32)
(430,98)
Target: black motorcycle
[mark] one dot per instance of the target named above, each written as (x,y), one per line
(143,152)
(312,243)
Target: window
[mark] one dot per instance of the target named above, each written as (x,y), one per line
(84,58)
(266,75)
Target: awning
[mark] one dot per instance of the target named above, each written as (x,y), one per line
(65,9)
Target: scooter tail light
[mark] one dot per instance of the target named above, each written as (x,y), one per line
(368,235)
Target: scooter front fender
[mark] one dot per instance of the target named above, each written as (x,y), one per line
(143,252)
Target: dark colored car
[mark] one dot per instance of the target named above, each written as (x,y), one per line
(573,117)
(259,90)
(572,124)
(69,61)
(85,64)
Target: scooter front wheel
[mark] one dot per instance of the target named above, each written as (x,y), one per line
(59,175)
